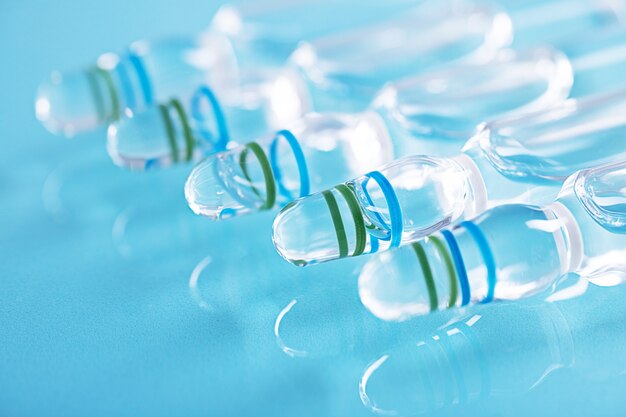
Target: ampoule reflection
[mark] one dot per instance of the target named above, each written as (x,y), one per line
(221,281)
(522,159)
(499,351)
(159,226)
(161,229)
(87,189)
(330,322)
(239,37)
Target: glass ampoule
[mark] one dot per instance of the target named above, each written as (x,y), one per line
(149,72)
(186,129)
(280,167)
(269,99)
(435,113)
(534,79)
(499,352)
(331,321)
(519,159)
(509,252)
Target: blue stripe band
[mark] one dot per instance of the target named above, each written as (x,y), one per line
(127,86)
(393,204)
(227,213)
(459,265)
(376,214)
(220,121)
(303,172)
(373,244)
(151,164)
(144,80)
(486,253)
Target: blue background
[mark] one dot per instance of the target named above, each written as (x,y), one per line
(96,313)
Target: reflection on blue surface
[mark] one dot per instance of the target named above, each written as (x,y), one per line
(97,316)
(499,352)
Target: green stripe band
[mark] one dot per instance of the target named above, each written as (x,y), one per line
(340,230)
(171,132)
(359,225)
(243,157)
(268,175)
(454,290)
(115,104)
(169,128)
(189,141)
(97,94)
(428,274)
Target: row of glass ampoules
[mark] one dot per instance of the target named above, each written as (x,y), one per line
(511,101)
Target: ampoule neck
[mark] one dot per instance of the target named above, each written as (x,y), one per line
(346,67)
(324,94)
(281,92)
(594,199)
(476,184)
(500,188)
(567,236)
(409,139)
(246,29)
(435,112)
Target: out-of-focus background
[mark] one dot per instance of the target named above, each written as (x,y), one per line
(115,300)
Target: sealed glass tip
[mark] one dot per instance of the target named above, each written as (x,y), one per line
(169,133)
(340,222)
(142,142)
(246,179)
(602,192)
(218,188)
(304,231)
(74,102)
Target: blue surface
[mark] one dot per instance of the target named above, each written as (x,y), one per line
(97,316)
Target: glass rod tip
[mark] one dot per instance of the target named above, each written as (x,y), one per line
(74,102)
(321,227)
(221,187)
(203,191)
(148,140)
